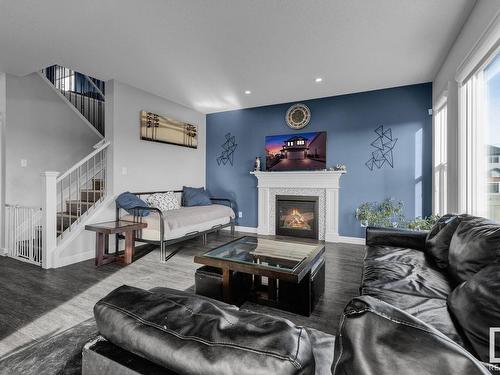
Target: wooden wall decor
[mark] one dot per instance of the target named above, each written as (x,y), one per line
(156,128)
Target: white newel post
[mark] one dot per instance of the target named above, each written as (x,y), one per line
(49,214)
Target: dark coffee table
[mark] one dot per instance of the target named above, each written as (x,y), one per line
(278,261)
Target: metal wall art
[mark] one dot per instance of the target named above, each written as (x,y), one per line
(228,148)
(156,128)
(383,153)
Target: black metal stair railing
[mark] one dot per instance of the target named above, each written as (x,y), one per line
(86,94)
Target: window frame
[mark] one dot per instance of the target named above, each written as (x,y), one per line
(440,155)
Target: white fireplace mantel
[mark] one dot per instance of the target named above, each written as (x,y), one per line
(323,184)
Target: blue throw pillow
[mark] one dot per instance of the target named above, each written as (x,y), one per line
(195,197)
(128,200)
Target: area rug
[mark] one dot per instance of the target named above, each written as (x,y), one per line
(59,354)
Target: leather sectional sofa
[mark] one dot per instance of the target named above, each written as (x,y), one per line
(427,302)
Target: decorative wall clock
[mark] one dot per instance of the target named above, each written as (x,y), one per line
(298,116)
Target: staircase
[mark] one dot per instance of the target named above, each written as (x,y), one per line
(85,94)
(80,190)
(74,209)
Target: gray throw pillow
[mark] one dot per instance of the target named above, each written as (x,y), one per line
(195,197)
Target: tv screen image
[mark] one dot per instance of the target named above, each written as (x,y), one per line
(296,152)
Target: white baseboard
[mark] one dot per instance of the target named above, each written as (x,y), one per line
(80,257)
(351,240)
(338,239)
(238,228)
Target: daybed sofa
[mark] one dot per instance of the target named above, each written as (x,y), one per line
(413,318)
(173,226)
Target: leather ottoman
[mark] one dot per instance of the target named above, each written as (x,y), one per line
(208,283)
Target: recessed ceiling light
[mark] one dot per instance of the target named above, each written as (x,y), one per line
(318,80)
(248,92)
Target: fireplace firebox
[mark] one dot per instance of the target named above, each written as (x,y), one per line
(297,215)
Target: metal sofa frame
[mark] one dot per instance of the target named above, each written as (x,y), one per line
(164,243)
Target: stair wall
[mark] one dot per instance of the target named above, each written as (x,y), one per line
(42,130)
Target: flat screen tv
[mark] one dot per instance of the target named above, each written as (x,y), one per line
(296,152)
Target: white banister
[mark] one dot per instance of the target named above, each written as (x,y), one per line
(49,214)
(84,160)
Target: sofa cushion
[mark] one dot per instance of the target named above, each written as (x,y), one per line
(433,311)
(437,244)
(377,338)
(128,201)
(474,245)
(396,237)
(195,197)
(395,254)
(476,306)
(418,280)
(173,329)
(164,201)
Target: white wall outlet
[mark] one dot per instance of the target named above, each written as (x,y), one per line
(124,171)
(240,214)
(24,163)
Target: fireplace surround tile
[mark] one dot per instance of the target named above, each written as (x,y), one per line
(323,184)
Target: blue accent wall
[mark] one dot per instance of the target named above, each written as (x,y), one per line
(350,121)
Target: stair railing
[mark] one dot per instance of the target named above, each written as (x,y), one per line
(85,93)
(68,197)
(80,188)
(23,231)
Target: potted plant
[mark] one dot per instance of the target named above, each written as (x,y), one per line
(388,213)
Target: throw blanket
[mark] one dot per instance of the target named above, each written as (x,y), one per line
(187,216)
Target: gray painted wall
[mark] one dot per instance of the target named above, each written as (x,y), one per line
(43,130)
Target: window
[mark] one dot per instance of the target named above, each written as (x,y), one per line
(480,140)
(440,165)
(65,79)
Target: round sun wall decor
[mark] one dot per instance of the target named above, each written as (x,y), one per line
(298,116)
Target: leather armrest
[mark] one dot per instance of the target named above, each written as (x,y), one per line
(396,237)
(375,337)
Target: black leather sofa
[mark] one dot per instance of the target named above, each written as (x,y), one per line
(448,278)
(427,300)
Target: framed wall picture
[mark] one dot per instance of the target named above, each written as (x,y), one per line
(162,129)
(296,152)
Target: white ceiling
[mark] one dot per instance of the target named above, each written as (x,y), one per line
(206,53)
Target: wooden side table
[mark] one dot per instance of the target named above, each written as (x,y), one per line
(104,230)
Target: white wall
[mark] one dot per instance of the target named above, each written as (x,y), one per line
(2,160)
(483,13)
(150,165)
(44,130)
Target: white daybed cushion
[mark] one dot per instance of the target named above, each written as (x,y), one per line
(185,220)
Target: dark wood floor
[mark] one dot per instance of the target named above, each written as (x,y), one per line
(36,303)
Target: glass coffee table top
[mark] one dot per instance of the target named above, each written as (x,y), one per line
(263,252)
